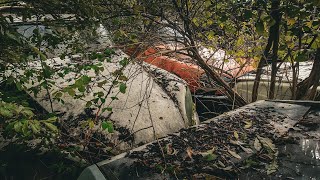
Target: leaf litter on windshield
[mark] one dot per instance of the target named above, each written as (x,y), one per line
(222,148)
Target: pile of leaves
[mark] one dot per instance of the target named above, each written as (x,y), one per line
(222,148)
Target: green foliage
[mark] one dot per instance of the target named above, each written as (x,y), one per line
(52,35)
(19,121)
(239,27)
(10,110)
(108,126)
(122,88)
(260,27)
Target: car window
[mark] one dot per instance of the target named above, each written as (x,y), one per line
(28,30)
(89,40)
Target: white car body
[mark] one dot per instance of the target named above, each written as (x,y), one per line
(148,109)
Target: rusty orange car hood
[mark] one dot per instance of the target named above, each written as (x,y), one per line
(189,72)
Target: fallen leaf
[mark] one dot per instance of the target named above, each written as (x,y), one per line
(234,154)
(91,124)
(207,152)
(227,168)
(189,152)
(271,168)
(221,164)
(247,150)
(248,124)
(210,157)
(236,142)
(236,135)
(267,143)
(257,144)
(169,149)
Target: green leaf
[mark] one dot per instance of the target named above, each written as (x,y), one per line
(271,22)
(107,125)
(50,126)
(58,95)
(115,82)
(71,92)
(260,27)
(100,84)
(124,62)
(84,80)
(27,112)
(103,100)
(247,14)
(123,78)
(19,86)
(88,104)
(81,88)
(301,57)
(291,21)
(51,119)
(18,126)
(10,126)
(122,88)
(6,113)
(107,109)
(25,129)
(94,55)
(210,157)
(35,128)
(100,94)
(108,52)
(108,59)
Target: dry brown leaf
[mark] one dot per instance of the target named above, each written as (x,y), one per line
(234,154)
(227,168)
(236,142)
(267,143)
(247,150)
(221,164)
(211,151)
(273,167)
(257,144)
(189,152)
(236,135)
(248,124)
(169,149)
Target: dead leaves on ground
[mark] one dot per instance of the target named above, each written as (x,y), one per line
(258,149)
(234,154)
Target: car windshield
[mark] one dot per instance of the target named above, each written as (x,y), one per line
(55,44)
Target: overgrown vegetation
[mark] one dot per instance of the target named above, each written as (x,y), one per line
(31,32)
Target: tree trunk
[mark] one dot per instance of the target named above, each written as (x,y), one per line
(295,74)
(275,14)
(262,62)
(313,80)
